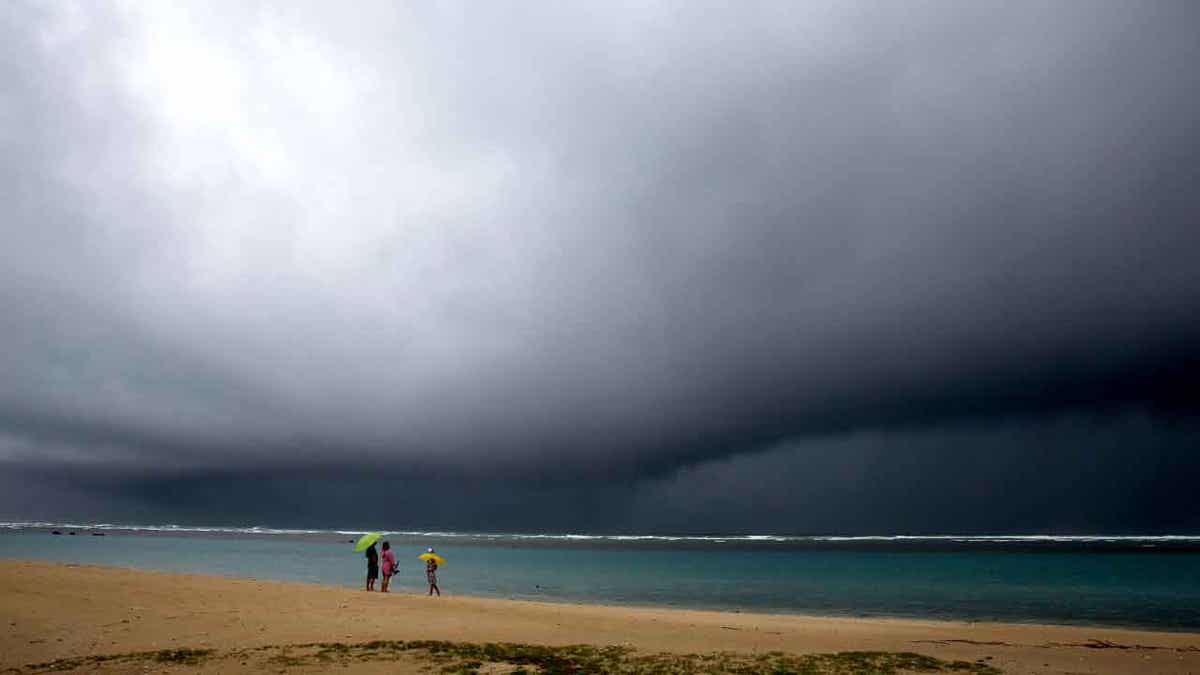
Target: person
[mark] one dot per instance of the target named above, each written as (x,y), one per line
(389,566)
(431,575)
(372,567)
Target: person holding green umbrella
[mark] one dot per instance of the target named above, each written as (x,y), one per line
(367,543)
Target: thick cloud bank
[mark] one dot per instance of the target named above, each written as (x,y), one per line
(587,244)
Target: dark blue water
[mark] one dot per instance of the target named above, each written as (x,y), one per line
(1113,581)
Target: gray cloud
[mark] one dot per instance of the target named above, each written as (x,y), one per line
(580,242)
(1071,474)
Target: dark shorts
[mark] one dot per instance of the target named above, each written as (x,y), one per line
(372,571)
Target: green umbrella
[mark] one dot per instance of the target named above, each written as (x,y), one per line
(366,540)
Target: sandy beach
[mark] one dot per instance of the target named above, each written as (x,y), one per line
(57,612)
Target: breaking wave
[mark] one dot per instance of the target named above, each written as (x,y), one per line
(617,538)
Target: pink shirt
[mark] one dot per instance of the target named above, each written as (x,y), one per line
(389,562)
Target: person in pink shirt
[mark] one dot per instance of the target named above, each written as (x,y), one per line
(389,566)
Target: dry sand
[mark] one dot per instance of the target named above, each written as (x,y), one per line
(52,611)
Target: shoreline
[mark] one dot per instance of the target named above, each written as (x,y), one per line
(547,597)
(562,600)
(110,610)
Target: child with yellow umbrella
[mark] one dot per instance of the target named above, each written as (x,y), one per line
(432,560)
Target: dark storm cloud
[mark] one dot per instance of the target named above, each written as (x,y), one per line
(583,241)
(1074,474)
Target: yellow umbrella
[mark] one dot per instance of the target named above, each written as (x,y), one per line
(434,557)
(366,540)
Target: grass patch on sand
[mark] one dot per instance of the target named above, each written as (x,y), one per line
(465,657)
(188,657)
(588,660)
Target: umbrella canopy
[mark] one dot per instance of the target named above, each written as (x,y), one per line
(366,540)
(434,557)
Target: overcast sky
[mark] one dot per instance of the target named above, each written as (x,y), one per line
(805,267)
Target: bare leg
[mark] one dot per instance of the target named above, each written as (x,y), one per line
(384,583)
(434,587)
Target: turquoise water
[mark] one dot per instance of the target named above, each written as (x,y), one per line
(1121,582)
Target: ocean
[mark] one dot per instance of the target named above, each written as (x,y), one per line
(1137,581)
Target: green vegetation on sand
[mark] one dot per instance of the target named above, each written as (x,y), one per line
(464,657)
